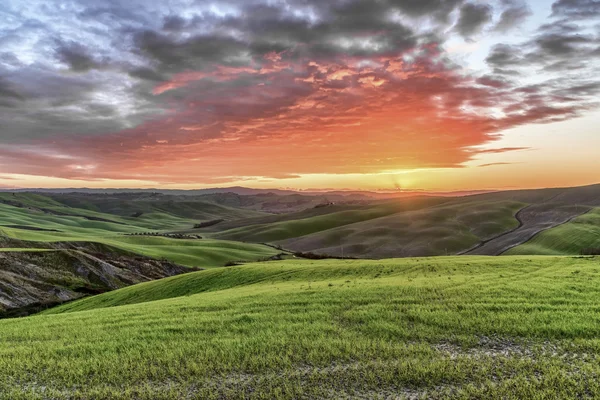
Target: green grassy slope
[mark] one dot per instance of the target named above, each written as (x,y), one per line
(144,214)
(30,199)
(468,327)
(287,229)
(19,222)
(277,218)
(148,204)
(443,229)
(205,253)
(570,238)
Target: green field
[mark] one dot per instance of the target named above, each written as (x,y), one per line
(442,327)
(437,230)
(571,238)
(287,229)
(450,327)
(33,225)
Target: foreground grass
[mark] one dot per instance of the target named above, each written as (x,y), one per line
(453,327)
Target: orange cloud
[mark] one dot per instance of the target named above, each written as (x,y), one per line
(283,117)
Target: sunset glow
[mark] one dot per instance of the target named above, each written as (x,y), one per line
(387,95)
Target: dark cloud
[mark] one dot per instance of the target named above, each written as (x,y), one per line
(557,46)
(8,91)
(580,9)
(174,23)
(147,74)
(439,9)
(514,14)
(503,55)
(9,59)
(77,57)
(563,42)
(473,17)
(497,82)
(584,89)
(151,83)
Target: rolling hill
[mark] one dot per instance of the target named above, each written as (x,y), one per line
(448,327)
(485,224)
(572,237)
(197,233)
(34,279)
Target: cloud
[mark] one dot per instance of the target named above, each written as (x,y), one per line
(515,13)
(580,9)
(495,164)
(473,17)
(229,90)
(8,94)
(501,150)
(77,57)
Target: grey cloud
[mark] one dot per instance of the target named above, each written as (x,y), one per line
(503,55)
(174,23)
(144,43)
(556,46)
(147,74)
(77,57)
(178,55)
(515,13)
(497,82)
(563,53)
(8,90)
(10,60)
(473,17)
(440,9)
(563,44)
(584,89)
(581,9)
(341,28)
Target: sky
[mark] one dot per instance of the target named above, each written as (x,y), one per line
(436,95)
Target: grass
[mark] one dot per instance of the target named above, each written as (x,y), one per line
(449,327)
(28,250)
(183,209)
(570,238)
(281,230)
(439,230)
(204,253)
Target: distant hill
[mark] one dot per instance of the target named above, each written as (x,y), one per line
(244,191)
(483,224)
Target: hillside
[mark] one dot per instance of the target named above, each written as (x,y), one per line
(484,224)
(301,226)
(570,238)
(51,252)
(227,205)
(449,327)
(37,220)
(440,230)
(34,279)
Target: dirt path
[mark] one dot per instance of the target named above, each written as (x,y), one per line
(533,220)
(484,242)
(540,231)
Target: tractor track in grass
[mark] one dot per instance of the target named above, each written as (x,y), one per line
(546,219)
(543,230)
(484,242)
